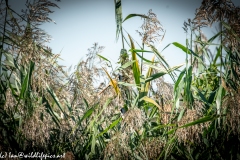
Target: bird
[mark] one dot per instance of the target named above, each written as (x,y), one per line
(123,110)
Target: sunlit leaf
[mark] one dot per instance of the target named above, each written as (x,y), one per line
(113,83)
(150,100)
(135,68)
(160,74)
(124,66)
(146,86)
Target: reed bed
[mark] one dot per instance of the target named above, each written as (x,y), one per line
(127,112)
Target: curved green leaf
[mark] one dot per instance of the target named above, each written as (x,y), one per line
(103,58)
(200,120)
(135,15)
(159,74)
(113,124)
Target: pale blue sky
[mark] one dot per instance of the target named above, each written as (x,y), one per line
(80,23)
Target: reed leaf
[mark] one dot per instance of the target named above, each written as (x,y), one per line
(103,58)
(113,124)
(135,15)
(181,115)
(55,98)
(27,81)
(9,61)
(86,115)
(163,61)
(135,66)
(50,111)
(118,17)
(139,50)
(146,86)
(128,84)
(186,50)
(113,83)
(150,100)
(200,120)
(160,74)
(220,93)
(124,66)
(145,59)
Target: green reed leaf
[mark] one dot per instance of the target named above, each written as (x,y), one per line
(27,80)
(135,66)
(160,74)
(146,87)
(118,16)
(124,66)
(200,120)
(113,124)
(181,115)
(103,58)
(150,100)
(55,98)
(135,15)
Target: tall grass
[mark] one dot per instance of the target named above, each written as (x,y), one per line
(129,115)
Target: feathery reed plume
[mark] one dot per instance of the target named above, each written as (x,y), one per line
(150,29)
(220,11)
